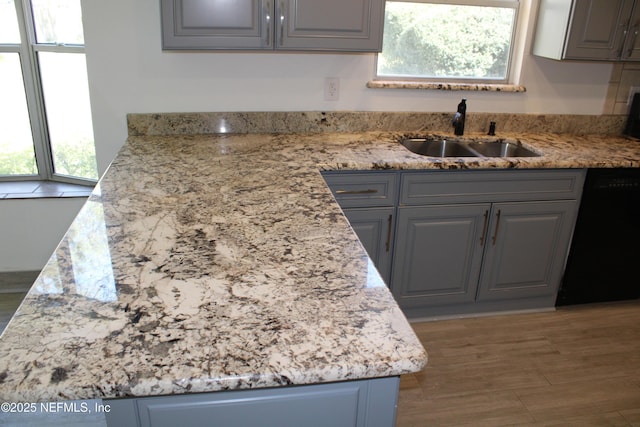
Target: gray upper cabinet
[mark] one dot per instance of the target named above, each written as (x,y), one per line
(345,25)
(601,30)
(217,24)
(306,25)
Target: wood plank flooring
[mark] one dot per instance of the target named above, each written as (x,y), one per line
(13,288)
(9,302)
(577,366)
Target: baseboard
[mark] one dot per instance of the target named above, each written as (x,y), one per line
(485,314)
(17,281)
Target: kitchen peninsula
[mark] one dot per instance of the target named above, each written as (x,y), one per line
(209,262)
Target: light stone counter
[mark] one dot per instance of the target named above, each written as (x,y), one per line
(215,262)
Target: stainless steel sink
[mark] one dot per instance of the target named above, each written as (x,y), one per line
(437,147)
(501,149)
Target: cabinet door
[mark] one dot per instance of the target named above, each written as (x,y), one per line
(631,50)
(374,227)
(526,249)
(217,24)
(359,403)
(598,29)
(341,25)
(438,254)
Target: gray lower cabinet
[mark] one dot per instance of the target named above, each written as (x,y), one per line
(374,227)
(526,249)
(368,200)
(363,403)
(438,254)
(307,25)
(477,241)
(464,241)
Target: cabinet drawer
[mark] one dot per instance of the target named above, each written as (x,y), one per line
(420,188)
(356,189)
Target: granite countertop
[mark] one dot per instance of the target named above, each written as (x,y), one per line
(215,262)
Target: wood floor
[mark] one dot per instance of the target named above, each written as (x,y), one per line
(577,366)
(13,288)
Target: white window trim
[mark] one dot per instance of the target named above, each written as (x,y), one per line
(28,50)
(514,73)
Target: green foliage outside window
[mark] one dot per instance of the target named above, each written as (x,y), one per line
(446,41)
(17,162)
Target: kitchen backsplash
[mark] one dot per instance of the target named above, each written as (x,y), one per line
(625,78)
(347,121)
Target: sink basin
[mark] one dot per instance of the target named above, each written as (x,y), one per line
(437,147)
(502,149)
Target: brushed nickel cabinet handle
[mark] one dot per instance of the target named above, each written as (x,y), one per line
(495,235)
(267,18)
(281,13)
(632,42)
(388,242)
(484,227)
(368,191)
(621,41)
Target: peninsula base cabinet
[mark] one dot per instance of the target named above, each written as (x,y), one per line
(362,403)
(456,258)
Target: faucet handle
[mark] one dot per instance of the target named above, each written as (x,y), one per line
(492,128)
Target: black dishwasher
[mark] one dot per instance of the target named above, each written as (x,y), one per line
(604,259)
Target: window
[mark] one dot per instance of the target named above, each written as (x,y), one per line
(45,116)
(448,40)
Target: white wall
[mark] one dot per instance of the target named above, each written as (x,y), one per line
(31,230)
(129,72)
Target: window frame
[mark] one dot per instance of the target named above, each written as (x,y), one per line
(27,51)
(515,46)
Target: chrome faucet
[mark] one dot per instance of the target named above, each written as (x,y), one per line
(459,117)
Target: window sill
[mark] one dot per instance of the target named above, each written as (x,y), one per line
(400,84)
(41,190)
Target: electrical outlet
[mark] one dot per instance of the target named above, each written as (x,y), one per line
(632,91)
(331,89)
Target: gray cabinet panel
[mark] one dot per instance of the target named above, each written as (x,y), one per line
(526,254)
(604,30)
(374,227)
(363,189)
(331,24)
(449,259)
(451,254)
(438,254)
(368,201)
(481,186)
(631,48)
(598,29)
(214,24)
(363,403)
